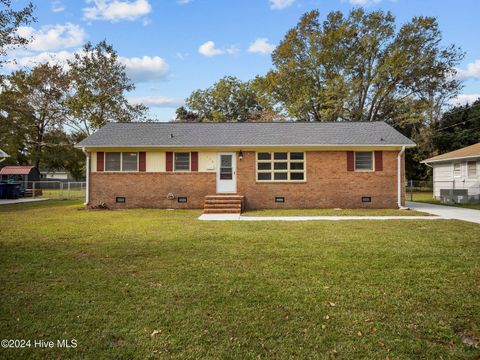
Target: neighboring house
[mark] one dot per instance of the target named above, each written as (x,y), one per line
(55,174)
(457,170)
(3,155)
(19,173)
(265,165)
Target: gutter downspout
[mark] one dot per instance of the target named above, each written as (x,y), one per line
(399,177)
(87,177)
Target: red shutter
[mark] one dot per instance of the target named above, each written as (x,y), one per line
(194,161)
(169,161)
(100,159)
(142,161)
(350,161)
(378,161)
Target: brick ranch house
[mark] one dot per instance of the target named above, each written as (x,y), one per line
(227,167)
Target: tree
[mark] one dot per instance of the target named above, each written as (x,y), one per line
(34,103)
(59,153)
(229,99)
(459,127)
(359,68)
(99,85)
(10,21)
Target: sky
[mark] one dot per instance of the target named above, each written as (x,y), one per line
(172,47)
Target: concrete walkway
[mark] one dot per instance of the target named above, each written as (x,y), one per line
(238,217)
(19,201)
(447,212)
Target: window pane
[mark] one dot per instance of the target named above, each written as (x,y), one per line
(296,176)
(457,170)
(363,160)
(280,156)
(112,161)
(264,166)
(182,161)
(280,166)
(472,169)
(264,156)
(129,161)
(280,176)
(264,176)
(296,156)
(296,166)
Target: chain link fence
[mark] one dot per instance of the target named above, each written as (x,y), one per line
(59,190)
(445,191)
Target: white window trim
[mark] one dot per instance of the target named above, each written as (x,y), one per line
(363,170)
(476,169)
(189,162)
(288,171)
(453,169)
(121,162)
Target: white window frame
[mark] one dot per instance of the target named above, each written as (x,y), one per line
(476,169)
(189,161)
(289,171)
(355,161)
(121,161)
(460,170)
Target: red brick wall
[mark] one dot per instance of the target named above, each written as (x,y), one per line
(150,190)
(328,185)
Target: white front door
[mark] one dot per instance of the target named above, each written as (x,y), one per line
(226,173)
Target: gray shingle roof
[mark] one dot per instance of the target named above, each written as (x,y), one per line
(244,134)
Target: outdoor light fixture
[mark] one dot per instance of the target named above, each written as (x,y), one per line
(240,155)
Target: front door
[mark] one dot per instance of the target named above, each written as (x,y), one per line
(226,173)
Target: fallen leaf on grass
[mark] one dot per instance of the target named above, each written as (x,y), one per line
(154,332)
(331,304)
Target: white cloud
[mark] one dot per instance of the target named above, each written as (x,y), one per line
(184,2)
(280,4)
(138,69)
(261,46)
(157,101)
(462,99)
(232,50)
(472,71)
(115,10)
(57,58)
(208,49)
(57,6)
(145,68)
(52,37)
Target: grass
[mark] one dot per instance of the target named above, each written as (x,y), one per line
(356,289)
(427,197)
(333,212)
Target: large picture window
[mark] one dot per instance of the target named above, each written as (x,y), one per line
(117,161)
(182,161)
(363,160)
(281,166)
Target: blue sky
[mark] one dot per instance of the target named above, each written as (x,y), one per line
(172,47)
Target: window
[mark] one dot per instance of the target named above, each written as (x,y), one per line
(112,161)
(129,161)
(472,169)
(281,166)
(182,161)
(116,161)
(363,160)
(457,170)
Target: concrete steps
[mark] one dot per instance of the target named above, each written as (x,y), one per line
(223,204)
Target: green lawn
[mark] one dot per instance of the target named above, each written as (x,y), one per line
(427,197)
(353,289)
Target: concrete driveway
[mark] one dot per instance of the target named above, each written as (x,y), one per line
(447,212)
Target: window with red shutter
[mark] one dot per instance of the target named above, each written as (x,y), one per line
(350,161)
(378,161)
(194,161)
(142,161)
(169,161)
(100,161)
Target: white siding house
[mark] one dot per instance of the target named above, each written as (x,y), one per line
(459,169)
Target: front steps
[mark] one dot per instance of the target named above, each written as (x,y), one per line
(223,204)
